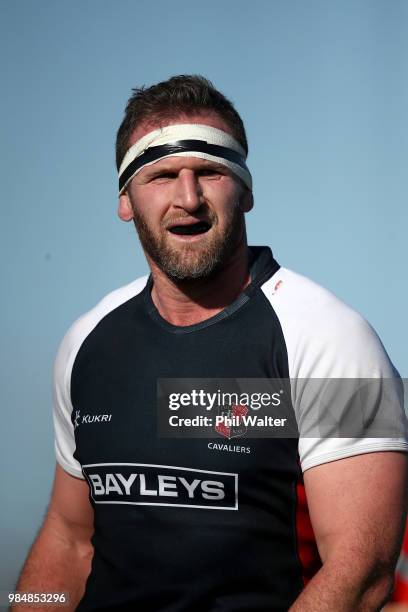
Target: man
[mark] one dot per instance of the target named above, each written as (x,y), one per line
(182,524)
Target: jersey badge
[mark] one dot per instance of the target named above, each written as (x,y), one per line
(232,425)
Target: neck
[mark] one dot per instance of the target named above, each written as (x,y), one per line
(189,302)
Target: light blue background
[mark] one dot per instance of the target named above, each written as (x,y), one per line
(322,88)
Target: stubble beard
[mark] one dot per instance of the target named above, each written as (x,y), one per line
(197,260)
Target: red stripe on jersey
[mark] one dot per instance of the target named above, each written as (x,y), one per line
(307,549)
(400,592)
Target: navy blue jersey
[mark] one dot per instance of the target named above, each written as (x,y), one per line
(203,524)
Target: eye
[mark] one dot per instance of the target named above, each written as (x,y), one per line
(164,175)
(209,172)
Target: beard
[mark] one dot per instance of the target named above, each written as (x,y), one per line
(197,260)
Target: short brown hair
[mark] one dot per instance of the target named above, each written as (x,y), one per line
(182,94)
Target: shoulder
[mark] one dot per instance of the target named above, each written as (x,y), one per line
(83,326)
(294,295)
(328,343)
(323,335)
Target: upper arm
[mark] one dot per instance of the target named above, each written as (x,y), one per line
(358,505)
(346,394)
(70,509)
(70,514)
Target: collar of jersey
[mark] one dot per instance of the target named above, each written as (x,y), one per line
(262,266)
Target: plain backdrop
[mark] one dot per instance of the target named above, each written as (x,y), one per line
(322,88)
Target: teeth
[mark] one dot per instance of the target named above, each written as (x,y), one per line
(194,228)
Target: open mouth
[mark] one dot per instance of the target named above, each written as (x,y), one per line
(191,229)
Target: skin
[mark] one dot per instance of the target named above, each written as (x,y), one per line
(357,508)
(191,189)
(60,558)
(356,504)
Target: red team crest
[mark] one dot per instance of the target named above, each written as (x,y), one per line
(230,423)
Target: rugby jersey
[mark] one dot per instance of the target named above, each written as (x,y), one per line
(207,524)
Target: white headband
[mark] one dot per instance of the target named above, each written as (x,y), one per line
(184,140)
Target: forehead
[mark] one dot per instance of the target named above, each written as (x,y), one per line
(211,119)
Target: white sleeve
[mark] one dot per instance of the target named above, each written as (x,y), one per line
(62,405)
(328,345)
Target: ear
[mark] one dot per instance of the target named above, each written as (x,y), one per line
(125,211)
(247,200)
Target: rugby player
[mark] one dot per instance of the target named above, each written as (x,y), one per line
(148,523)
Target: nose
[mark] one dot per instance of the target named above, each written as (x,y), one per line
(188,193)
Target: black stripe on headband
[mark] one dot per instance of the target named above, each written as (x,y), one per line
(179,146)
